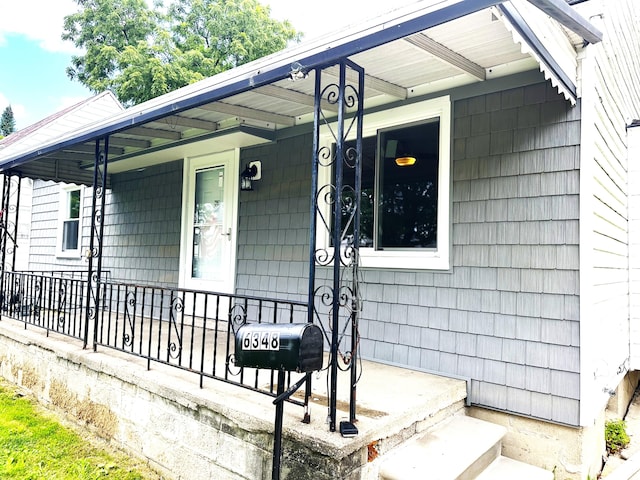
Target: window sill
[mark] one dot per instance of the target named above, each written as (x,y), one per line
(69,255)
(400,259)
(404,260)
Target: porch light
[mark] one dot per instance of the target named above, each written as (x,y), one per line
(405,161)
(249,174)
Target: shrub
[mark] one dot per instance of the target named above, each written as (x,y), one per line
(615,434)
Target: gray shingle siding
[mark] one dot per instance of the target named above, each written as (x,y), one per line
(506,315)
(149,237)
(139,245)
(273,230)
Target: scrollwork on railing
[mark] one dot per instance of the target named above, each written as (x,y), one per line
(37,298)
(62,302)
(129,313)
(231,366)
(237,316)
(174,347)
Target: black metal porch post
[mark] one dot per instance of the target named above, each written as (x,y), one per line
(17,223)
(355,258)
(3,221)
(337,243)
(9,217)
(94,276)
(336,211)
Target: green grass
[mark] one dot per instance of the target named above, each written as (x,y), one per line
(34,446)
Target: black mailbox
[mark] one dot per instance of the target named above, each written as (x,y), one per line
(288,346)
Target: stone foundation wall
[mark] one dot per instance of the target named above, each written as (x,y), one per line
(572,453)
(163,417)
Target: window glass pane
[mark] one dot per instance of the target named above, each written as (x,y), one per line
(74,204)
(70,235)
(367,199)
(408,195)
(207,224)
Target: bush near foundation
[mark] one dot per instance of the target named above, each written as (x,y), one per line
(616,438)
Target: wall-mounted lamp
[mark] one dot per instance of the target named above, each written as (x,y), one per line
(252,172)
(405,161)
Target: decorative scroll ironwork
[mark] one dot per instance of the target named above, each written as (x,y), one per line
(174,347)
(129,314)
(335,214)
(9,215)
(94,271)
(62,303)
(237,316)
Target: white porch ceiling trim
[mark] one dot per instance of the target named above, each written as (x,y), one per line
(552,38)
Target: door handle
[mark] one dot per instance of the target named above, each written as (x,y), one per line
(228,234)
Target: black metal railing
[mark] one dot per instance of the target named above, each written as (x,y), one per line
(53,302)
(186,329)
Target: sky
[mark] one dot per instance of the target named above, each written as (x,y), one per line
(33,58)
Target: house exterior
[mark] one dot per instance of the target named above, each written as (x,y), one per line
(47,129)
(504,255)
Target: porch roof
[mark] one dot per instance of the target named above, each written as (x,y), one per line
(425,47)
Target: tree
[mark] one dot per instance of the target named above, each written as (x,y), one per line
(140,53)
(7,122)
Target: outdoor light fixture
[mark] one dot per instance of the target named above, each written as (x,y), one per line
(251,173)
(405,161)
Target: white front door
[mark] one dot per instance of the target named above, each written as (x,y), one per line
(209,221)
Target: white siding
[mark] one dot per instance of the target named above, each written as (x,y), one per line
(610,99)
(634,244)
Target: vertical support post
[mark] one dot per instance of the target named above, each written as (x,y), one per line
(4,217)
(17,223)
(336,208)
(3,238)
(95,241)
(9,217)
(355,259)
(337,243)
(313,221)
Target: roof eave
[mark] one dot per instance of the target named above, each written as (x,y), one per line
(561,11)
(278,67)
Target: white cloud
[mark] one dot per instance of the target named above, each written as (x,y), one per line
(38,20)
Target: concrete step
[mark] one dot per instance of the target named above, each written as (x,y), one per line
(459,449)
(504,468)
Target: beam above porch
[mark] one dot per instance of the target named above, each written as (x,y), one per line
(390,48)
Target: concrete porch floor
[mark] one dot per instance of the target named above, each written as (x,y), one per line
(392,403)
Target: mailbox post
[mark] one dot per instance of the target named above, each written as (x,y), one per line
(283,347)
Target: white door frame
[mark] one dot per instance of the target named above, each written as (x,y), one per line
(230,159)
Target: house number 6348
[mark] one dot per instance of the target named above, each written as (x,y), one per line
(258,340)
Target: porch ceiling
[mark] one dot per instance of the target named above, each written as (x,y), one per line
(426,47)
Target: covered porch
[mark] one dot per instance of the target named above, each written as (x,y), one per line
(290,249)
(187,425)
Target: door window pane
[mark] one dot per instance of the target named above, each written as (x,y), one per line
(208,219)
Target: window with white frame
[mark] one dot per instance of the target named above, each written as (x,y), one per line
(404,215)
(69,226)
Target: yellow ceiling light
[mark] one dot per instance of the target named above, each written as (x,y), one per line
(405,161)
